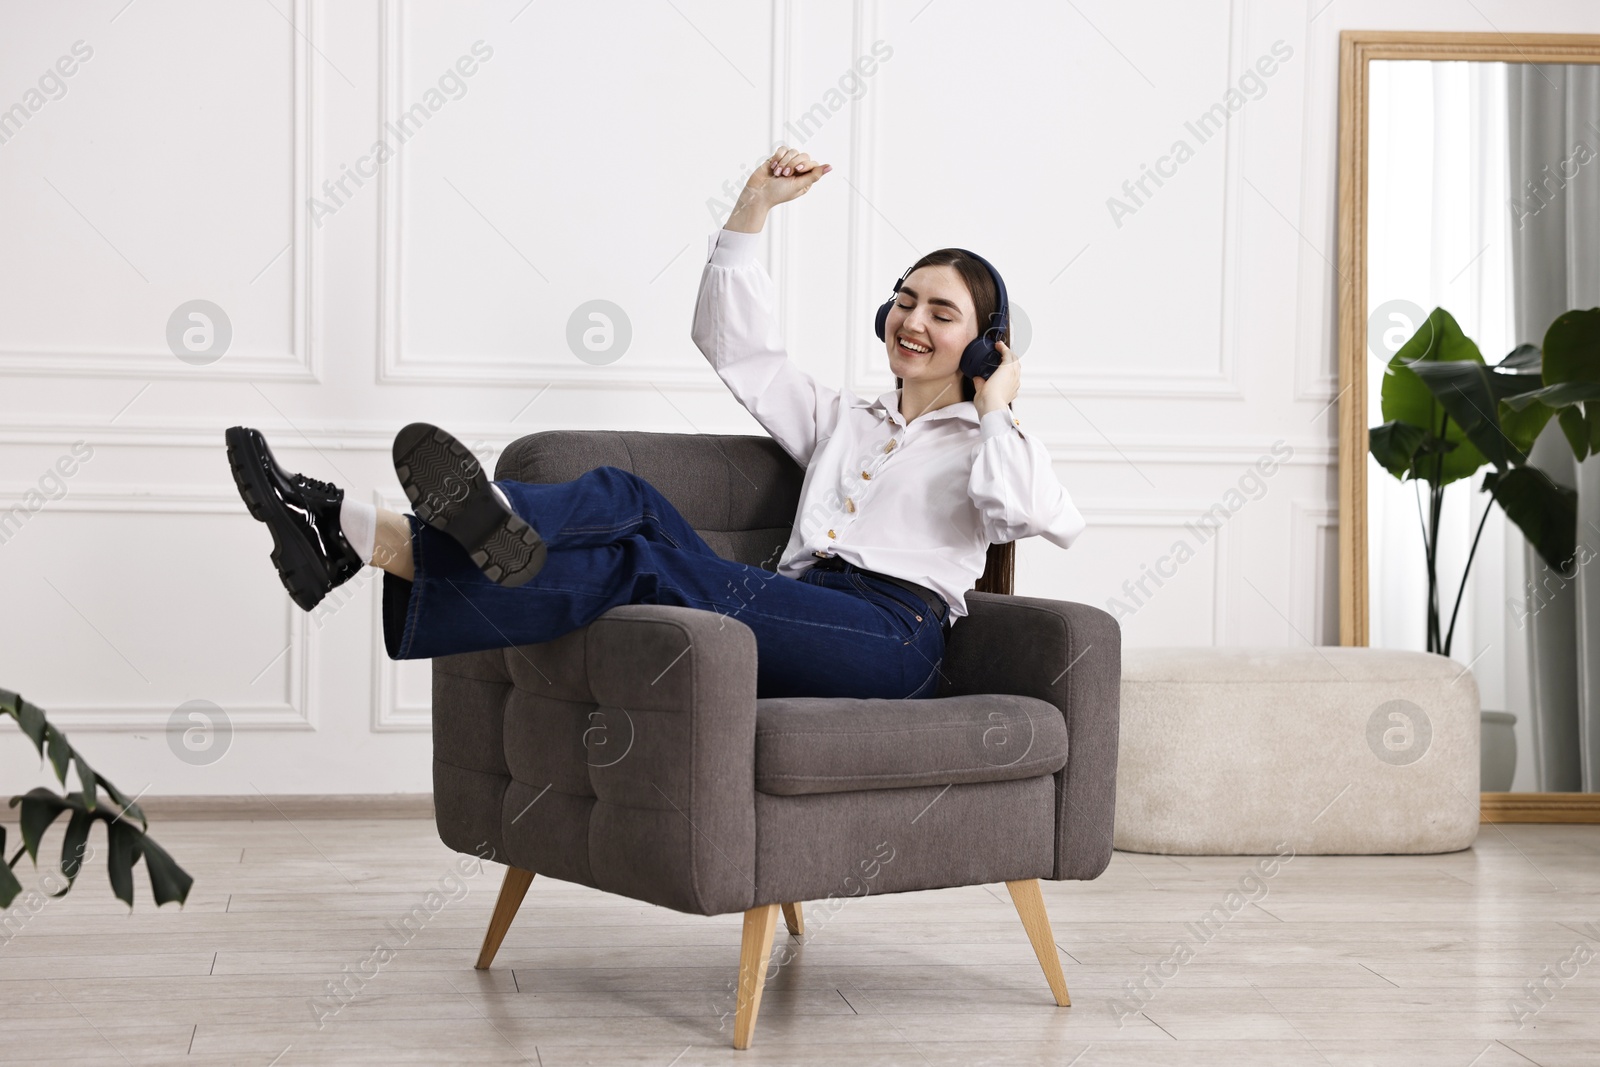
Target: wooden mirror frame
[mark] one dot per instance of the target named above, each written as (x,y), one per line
(1356,49)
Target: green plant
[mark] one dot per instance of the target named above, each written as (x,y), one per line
(1447,414)
(40,807)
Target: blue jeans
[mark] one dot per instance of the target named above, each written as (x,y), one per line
(614,539)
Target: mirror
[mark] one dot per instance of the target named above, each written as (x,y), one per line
(1469,181)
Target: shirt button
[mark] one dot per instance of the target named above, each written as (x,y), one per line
(864,474)
(890,446)
(850,505)
(832,534)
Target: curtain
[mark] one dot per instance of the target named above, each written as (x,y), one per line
(1554,125)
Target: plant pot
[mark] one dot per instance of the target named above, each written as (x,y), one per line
(1498,754)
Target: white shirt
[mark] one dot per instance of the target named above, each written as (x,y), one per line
(921,501)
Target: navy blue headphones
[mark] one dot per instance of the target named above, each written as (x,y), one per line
(981,358)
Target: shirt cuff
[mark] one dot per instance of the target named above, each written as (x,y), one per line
(731,248)
(995,423)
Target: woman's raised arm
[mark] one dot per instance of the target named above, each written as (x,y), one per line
(735,318)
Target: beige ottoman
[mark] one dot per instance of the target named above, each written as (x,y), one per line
(1251,751)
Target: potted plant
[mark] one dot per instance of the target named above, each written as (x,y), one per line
(1448,414)
(40,808)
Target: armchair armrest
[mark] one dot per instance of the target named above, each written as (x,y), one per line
(641,727)
(1070,655)
(675,821)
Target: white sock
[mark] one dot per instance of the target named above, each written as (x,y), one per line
(360,525)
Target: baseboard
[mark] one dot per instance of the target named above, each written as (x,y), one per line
(292,806)
(1539,807)
(1493,807)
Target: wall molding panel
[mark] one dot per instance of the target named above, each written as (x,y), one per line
(866,288)
(1104,517)
(396,365)
(298,713)
(1310,521)
(299,363)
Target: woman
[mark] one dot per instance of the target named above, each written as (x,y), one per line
(901,499)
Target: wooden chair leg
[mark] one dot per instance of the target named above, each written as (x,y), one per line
(512,890)
(795,921)
(760,924)
(1030,907)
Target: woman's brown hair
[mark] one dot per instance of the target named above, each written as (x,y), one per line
(985,297)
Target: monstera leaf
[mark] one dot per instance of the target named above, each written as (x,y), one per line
(1546,513)
(1571,376)
(1523,419)
(1396,445)
(1407,397)
(1438,379)
(39,809)
(1471,394)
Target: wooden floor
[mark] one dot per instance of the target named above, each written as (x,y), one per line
(1412,961)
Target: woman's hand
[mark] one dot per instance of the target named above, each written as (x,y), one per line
(787,174)
(1000,388)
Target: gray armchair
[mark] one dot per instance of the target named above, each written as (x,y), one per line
(633,756)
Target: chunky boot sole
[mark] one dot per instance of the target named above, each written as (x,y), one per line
(299,567)
(449,491)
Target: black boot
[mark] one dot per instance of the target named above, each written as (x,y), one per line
(308,547)
(449,491)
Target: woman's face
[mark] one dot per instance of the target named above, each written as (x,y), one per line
(933,312)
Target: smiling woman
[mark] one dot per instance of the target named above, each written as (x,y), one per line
(902,500)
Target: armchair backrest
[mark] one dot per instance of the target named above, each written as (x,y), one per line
(740,493)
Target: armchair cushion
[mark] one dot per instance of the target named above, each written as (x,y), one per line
(826,745)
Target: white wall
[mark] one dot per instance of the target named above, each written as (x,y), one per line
(1171,347)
